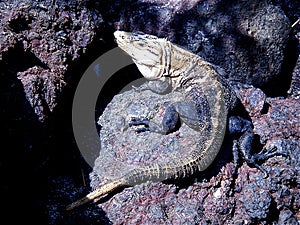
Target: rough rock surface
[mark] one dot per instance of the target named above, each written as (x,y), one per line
(215,196)
(52,36)
(45,47)
(246,38)
(123,149)
(41,45)
(295,83)
(62,187)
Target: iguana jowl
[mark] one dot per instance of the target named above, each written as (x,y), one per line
(208,101)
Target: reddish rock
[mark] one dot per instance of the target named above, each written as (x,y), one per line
(41,43)
(246,38)
(222,198)
(55,35)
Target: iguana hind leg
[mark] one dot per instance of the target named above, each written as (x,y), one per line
(242,129)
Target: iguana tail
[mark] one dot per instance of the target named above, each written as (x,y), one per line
(106,188)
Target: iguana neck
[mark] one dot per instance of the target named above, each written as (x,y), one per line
(181,64)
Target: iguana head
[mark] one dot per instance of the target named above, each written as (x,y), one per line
(147,51)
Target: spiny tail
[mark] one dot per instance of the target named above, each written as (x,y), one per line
(97,193)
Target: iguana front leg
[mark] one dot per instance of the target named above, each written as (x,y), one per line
(175,114)
(193,112)
(168,125)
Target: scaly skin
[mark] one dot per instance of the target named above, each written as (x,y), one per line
(208,99)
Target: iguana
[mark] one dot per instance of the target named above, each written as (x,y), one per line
(209,100)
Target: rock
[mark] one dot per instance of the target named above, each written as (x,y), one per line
(62,191)
(253,99)
(275,116)
(42,46)
(295,83)
(277,127)
(51,37)
(283,114)
(257,201)
(286,217)
(246,38)
(41,88)
(241,38)
(290,7)
(123,149)
(213,196)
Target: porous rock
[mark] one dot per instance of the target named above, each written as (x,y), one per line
(123,149)
(216,195)
(47,37)
(294,89)
(246,38)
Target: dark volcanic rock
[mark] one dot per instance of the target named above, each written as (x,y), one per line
(283,115)
(246,38)
(243,38)
(61,193)
(54,35)
(41,43)
(257,201)
(278,127)
(123,149)
(215,196)
(295,83)
(273,118)
(253,99)
(41,88)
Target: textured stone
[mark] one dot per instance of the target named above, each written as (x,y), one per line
(246,38)
(216,195)
(256,201)
(123,149)
(50,37)
(295,83)
(41,43)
